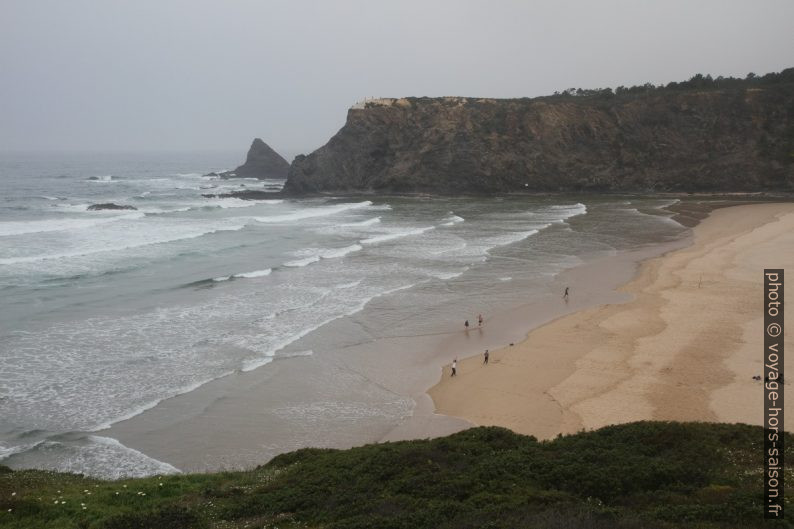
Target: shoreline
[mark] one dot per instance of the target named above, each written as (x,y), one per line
(728,196)
(667,354)
(596,281)
(246,418)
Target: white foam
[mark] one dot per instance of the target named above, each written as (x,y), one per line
(395,235)
(299,263)
(510,238)
(254,363)
(144,241)
(445,276)
(309,213)
(329,253)
(348,285)
(571,210)
(43,226)
(255,273)
(94,455)
(8,451)
(666,218)
(452,219)
(161,211)
(134,412)
(668,203)
(334,253)
(363,223)
(233,202)
(160,467)
(250,365)
(299,353)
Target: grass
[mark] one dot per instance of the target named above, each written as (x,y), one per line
(639,475)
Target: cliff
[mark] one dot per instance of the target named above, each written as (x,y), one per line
(261,162)
(715,135)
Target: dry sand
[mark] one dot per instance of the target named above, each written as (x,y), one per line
(372,387)
(684,348)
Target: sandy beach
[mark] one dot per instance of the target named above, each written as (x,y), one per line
(369,373)
(684,348)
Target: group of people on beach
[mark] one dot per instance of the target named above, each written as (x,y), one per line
(486,354)
(480,321)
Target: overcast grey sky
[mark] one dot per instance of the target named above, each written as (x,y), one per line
(201,74)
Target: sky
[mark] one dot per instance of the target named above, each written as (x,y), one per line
(123,75)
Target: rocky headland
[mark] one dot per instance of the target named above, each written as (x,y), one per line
(701,135)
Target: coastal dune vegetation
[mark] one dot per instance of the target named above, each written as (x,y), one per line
(637,475)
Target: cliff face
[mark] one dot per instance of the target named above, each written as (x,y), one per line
(666,140)
(262,162)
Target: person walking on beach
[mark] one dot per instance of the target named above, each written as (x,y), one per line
(565,296)
(479,320)
(454,367)
(466,324)
(485,357)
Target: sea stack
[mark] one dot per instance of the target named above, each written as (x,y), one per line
(262,162)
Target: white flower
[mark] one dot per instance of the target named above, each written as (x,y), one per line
(13,494)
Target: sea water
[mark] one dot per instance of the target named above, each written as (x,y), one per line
(103,314)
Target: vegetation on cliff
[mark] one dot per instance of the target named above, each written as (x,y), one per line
(705,134)
(640,475)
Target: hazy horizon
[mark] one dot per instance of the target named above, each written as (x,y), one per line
(199,75)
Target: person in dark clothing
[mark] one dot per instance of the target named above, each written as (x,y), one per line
(485,357)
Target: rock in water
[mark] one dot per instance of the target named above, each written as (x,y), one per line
(262,162)
(109,205)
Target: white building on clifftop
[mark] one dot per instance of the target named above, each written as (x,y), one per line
(377,101)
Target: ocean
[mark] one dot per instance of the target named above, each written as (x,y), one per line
(105,314)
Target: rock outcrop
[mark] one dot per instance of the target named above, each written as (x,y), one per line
(110,206)
(262,162)
(680,139)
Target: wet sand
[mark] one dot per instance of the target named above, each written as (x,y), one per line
(685,347)
(366,390)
